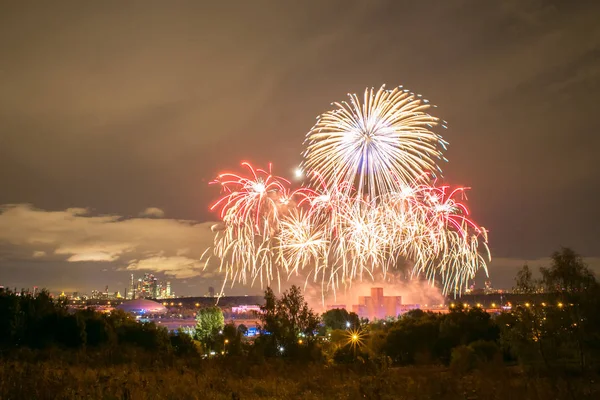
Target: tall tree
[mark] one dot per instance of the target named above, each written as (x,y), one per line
(524,281)
(573,285)
(288,322)
(568,275)
(209,321)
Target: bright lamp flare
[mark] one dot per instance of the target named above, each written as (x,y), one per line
(379,145)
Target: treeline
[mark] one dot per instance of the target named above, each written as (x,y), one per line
(41,323)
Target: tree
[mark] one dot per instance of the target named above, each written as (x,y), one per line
(524,281)
(339,318)
(232,340)
(414,338)
(563,330)
(572,284)
(209,321)
(288,322)
(568,275)
(183,344)
(71,331)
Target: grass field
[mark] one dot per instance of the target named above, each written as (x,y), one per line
(272,380)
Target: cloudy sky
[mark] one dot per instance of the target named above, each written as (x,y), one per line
(115,115)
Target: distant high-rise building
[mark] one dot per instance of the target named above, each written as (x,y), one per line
(211,291)
(131,291)
(148,287)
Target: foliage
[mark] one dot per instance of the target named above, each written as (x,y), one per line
(524,281)
(564,332)
(288,323)
(42,323)
(339,318)
(209,322)
(232,340)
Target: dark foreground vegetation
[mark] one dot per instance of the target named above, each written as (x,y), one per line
(544,351)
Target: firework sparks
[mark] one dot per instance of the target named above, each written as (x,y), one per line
(380,144)
(373,201)
(250,208)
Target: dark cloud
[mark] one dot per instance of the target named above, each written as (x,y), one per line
(119,107)
(77,240)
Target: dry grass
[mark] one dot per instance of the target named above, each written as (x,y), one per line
(273,380)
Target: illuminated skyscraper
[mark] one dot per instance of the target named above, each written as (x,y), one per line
(131,291)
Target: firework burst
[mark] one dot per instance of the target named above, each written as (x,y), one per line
(378,144)
(373,203)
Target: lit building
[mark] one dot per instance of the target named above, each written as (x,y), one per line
(242,309)
(131,291)
(148,287)
(142,306)
(378,306)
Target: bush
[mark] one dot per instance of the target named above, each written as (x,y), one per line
(485,351)
(463,359)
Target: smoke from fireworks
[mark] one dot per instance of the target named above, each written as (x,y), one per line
(372,203)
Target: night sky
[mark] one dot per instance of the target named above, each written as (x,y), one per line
(114,116)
